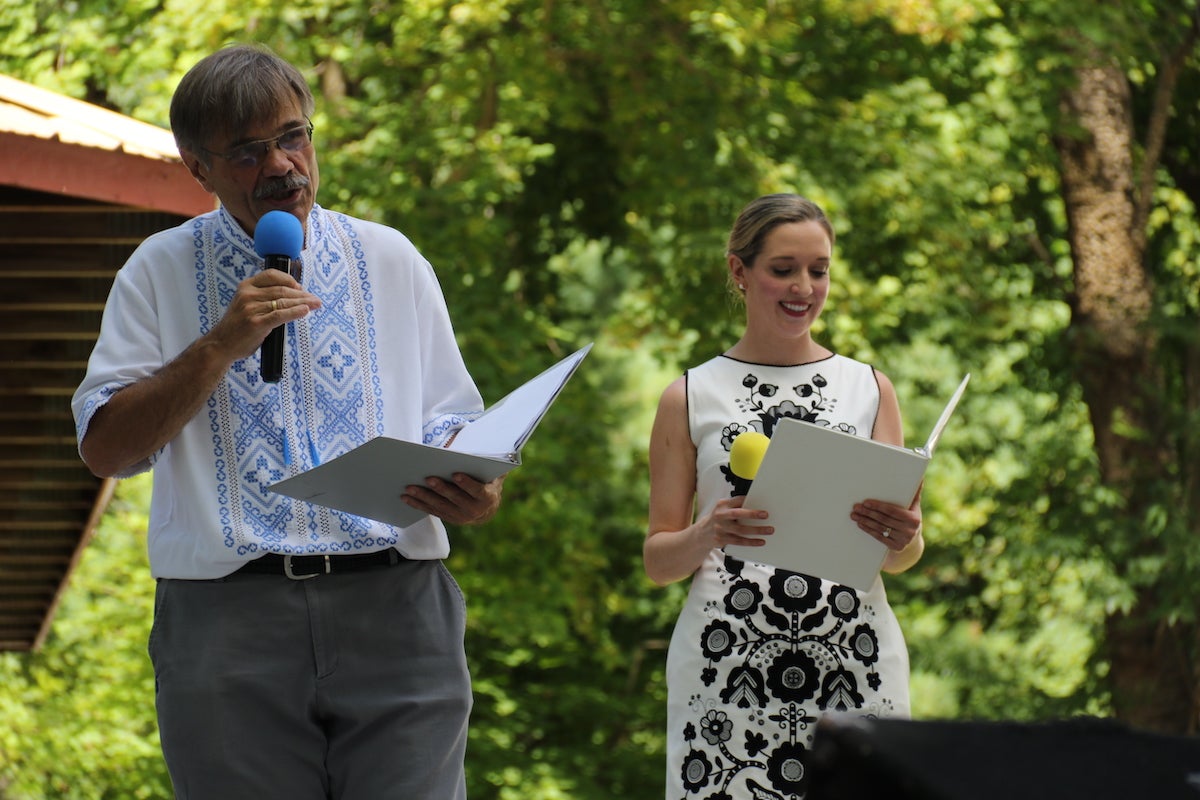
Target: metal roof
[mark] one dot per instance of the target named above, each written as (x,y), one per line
(80,187)
(29,110)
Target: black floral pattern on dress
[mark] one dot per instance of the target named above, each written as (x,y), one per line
(782,652)
(743,598)
(793,676)
(810,404)
(787,654)
(786,768)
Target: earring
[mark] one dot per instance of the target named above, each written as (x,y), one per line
(742,287)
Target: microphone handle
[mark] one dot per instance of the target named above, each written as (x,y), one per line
(272,346)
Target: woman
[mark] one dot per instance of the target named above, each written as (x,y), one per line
(758,654)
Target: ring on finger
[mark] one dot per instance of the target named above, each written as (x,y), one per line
(887,533)
(274,305)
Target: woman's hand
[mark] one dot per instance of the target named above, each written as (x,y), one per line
(899,528)
(730,523)
(895,526)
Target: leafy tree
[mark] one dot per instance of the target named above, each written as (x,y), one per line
(79,713)
(572,168)
(1135,343)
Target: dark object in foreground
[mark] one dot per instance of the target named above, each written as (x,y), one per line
(854,758)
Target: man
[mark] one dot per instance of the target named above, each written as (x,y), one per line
(299,652)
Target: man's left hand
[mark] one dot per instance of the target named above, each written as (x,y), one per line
(463,501)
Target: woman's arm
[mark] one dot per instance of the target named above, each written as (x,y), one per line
(902,524)
(675,545)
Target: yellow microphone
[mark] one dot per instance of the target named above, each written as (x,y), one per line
(746,454)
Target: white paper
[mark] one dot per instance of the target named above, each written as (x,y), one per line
(505,427)
(936,433)
(369,480)
(810,479)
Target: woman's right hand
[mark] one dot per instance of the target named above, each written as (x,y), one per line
(677,543)
(671,554)
(730,523)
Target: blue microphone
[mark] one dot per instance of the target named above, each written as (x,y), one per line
(278,238)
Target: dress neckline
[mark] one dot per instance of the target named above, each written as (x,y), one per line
(778,366)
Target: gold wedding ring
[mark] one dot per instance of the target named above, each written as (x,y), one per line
(274,305)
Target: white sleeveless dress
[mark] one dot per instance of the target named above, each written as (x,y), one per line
(758,654)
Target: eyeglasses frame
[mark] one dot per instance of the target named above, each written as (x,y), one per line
(271,143)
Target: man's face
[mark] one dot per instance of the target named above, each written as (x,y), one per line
(270,166)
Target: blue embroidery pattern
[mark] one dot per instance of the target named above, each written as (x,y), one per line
(332,389)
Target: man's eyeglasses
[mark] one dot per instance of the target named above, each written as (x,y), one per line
(251,154)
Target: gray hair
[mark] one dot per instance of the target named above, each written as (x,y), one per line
(228,91)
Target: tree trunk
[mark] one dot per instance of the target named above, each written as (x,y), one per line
(1152,670)
(1153,675)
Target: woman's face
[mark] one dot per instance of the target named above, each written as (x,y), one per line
(786,286)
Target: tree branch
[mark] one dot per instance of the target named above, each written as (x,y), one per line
(1156,131)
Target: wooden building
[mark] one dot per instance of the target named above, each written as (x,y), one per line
(80,187)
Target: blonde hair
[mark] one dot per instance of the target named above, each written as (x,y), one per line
(763,215)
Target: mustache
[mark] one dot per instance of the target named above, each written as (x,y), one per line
(274,186)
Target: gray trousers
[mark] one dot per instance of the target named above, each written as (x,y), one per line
(348,686)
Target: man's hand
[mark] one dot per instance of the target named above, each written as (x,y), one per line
(465,501)
(263,302)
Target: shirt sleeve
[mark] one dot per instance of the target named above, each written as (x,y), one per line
(127,349)
(451,398)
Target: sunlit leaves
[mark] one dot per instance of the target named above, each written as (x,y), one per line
(571,169)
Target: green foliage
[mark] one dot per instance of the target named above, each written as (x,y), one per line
(571,169)
(79,713)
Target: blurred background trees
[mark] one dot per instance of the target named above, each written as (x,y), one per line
(1013,186)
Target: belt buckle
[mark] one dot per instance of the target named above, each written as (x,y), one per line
(287,569)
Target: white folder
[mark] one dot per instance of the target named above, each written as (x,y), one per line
(810,478)
(369,480)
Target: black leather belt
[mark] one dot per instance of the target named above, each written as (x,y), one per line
(299,568)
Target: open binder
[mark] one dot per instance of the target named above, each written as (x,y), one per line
(369,480)
(810,478)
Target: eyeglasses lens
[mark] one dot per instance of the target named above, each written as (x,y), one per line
(252,154)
